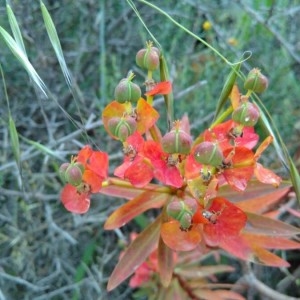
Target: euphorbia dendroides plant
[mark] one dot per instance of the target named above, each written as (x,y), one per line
(196,179)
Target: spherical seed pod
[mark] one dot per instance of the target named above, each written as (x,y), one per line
(74,173)
(208,153)
(148,58)
(126,90)
(256,81)
(177,141)
(122,128)
(183,212)
(246,114)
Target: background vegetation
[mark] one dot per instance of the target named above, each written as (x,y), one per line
(48,253)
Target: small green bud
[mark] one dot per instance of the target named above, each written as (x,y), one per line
(126,90)
(122,128)
(148,58)
(208,153)
(256,81)
(246,114)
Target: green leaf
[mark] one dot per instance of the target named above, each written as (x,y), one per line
(53,36)
(135,254)
(229,83)
(134,207)
(15,28)
(14,140)
(263,225)
(294,177)
(21,56)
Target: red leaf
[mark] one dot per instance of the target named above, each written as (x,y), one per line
(266,176)
(135,254)
(78,203)
(270,242)
(163,88)
(259,201)
(134,207)
(98,163)
(146,116)
(93,180)
(165,263)
(123,189)
(229,222)
(177,239)
(266,257)
(262,225)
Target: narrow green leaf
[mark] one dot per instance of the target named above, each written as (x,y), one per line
(295,177)
(227,89)
(169,100)
(42,148)
(53,36)
(136,254)
(14,140)
(21,56)
(15,28)
(262,225)
(134,207)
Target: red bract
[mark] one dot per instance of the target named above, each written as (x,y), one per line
(262,174)
(75,201)
(238,167)
(165,165)
(180,240)
(144,114)
(163,88)
(224,134)
(95,167)
(136,167)
(225,221)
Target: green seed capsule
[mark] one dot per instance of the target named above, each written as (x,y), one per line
(208,153)
(246,114)
(126,90)
(256,81)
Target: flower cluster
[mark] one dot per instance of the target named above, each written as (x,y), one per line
(189,174)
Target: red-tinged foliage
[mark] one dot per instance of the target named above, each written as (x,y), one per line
(164,171)
(95,167)
(262,225)
(178,239)
(270,242)
(166,262)
(207,294)
(146,116)
(74,201)
(144,272)
(256,201)
(266,176)
(240,167)
(135,254)
(229,222)
(223,134)
(134,207)
(160,88)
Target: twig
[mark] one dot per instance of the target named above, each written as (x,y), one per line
(266,291)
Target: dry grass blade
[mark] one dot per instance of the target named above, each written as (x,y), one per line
(21,56)
(15,28)
(53,36)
